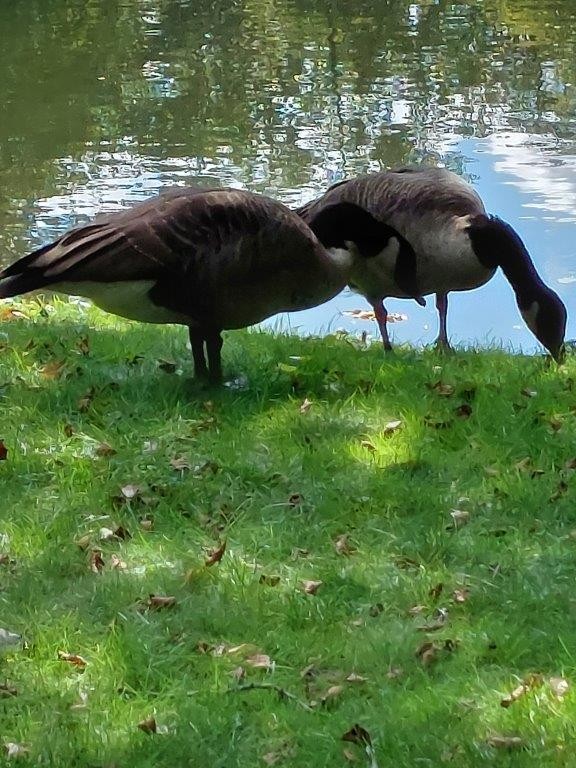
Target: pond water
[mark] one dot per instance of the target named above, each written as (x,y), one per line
(103,103)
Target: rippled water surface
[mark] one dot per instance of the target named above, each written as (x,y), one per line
(104,102)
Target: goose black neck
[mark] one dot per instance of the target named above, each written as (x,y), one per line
(496,244)
(337,224)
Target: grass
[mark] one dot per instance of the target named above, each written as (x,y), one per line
(440,618)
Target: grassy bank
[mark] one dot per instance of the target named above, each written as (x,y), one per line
(432,497)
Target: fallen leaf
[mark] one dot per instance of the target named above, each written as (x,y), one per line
(442,389)
(298,552)
(436,423)
(3,451)
(358,735)
(394,673)
(269,581)
(529,392)
(427,653)
(416,610)
(239,673)
(369,445)
(14,750)
(560,491)
(146,523)
(391,427)
(73,658)
(86,400)
(375,610)
(354,678)
(84,541)
(259,661)
(180,463)
(331,694)
(215,555)
(167,366)
(83,345)
(106,534)
(68,430)
(559,686)
(158,602)
(52,369)
(438,623)
(570,464)
(461,594)
(306,405)
(104,450)
(436,591)
(460,517)
(342,545)
(7,691)
(310,587)
(463,411)
(148,725)
(96,561)
(117,563)
(505,742)
(527,685)
(9,313)
(296,500)
(130,491)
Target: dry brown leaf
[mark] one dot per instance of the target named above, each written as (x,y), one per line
(68,430)
(461,594)
(14,750)
(215,555)
(130,491)
(375,610)
(148,725)
(529,392)
(259,661)
(117,563)
(84,541)
(295,500)
(73,658)
(531,682)
(559,686)
(505,742)
(96,561)
(146,523)
(391,427)
(369,445)
(460,517)
(86,400)
(167,366)
(3,451)
(10,313)
(342,545)
(331,694)
(238,673)
(428,653)
(310,587)
(355,678)
(104,450)
(416,610)
(269,581)
(158,602)
(180,463)
(358,735)
(52,369)
(436,591)
(463,411)
(7,691)
(306,405)
(394,673)
(442,389)
(83,345)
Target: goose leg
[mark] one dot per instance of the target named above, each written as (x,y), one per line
(381,318)
(214,343)
(442,307)
(197,344)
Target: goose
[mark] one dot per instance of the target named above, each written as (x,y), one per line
(211,259)
(457,246)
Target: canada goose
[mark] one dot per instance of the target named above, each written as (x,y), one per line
(458,247)
(209,259)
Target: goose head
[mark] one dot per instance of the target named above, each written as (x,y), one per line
(546,318)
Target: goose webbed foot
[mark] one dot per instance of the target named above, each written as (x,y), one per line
(207,367)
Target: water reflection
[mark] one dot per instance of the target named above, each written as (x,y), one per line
(104,103)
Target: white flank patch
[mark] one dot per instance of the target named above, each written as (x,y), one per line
(126,298)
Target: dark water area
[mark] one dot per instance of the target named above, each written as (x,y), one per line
(104,103)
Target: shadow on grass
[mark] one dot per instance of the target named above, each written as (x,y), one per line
(281,469)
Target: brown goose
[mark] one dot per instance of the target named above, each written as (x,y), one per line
(457,247)
(209,259)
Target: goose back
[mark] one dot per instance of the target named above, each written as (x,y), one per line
(431,208)
(222,258)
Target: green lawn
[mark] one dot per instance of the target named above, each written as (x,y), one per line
(425,621)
